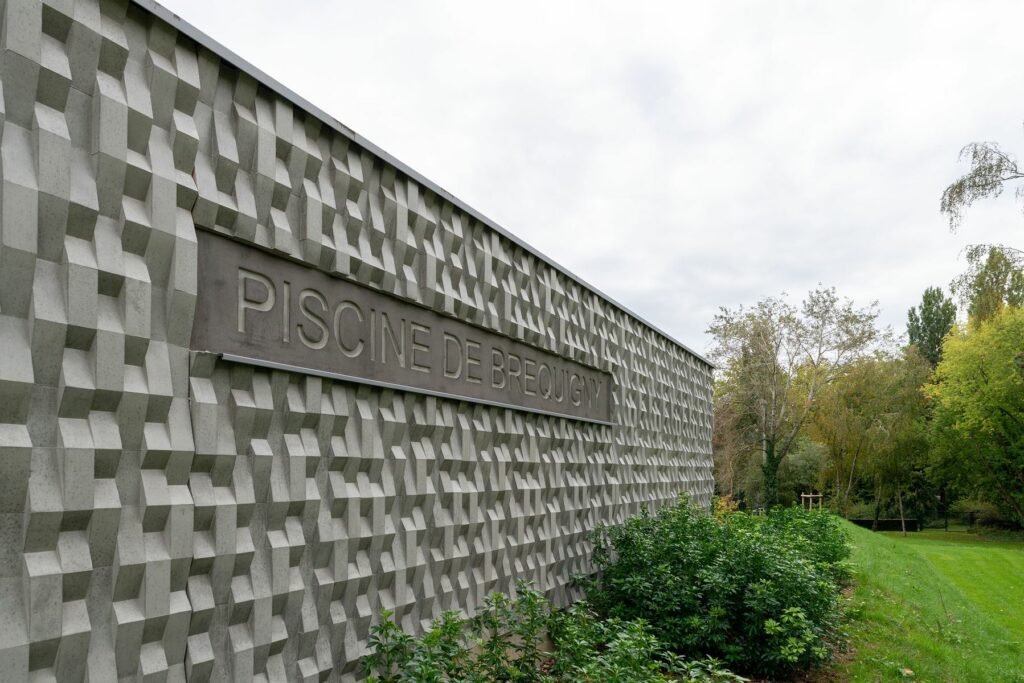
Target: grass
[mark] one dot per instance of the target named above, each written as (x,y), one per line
(935,606)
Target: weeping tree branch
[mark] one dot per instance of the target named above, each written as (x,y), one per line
(991,169)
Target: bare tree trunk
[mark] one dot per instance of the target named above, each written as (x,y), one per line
(770,470)
(849,484)
(899,497)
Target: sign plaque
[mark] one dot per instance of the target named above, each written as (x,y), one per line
(254,307)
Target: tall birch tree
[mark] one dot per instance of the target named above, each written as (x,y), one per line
(776,358)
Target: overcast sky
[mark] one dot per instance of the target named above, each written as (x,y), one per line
(678,156)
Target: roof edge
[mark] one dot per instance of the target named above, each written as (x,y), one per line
(244,65)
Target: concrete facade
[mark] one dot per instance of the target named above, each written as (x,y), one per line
(167,514)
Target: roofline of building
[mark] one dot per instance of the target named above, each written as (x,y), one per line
(284,91)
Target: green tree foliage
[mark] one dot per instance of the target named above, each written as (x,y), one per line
(929,322)
(776,358)
(994,278)
(871,421)
(991,169)
(898,460)
(977,431)
(801,471)
(846,423)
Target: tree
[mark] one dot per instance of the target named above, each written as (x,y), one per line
(869,420)
(991,169)
(902,443)
(846,421)
(802,470)
(977,431)
(929,322)
(730,445)
(776,358)
(994,278)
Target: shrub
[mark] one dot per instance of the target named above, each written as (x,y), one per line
(722,506)
(612,651)
(816,535)
(502,643)
(507,632)
(599,652)
(761,593)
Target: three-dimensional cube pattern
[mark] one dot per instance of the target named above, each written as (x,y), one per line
(166,515)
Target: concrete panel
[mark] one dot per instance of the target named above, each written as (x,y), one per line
(259,308)
(167,514)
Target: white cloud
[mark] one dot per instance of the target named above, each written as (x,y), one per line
(679,156)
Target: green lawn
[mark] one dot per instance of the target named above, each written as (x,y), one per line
(947,606)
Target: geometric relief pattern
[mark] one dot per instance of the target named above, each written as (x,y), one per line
(167,515)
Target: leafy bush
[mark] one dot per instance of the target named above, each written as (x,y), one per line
(761,593)
(722,506)
(502,642)
(815,534)
(612,651)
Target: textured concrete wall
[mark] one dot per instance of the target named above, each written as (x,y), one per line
(169,515)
